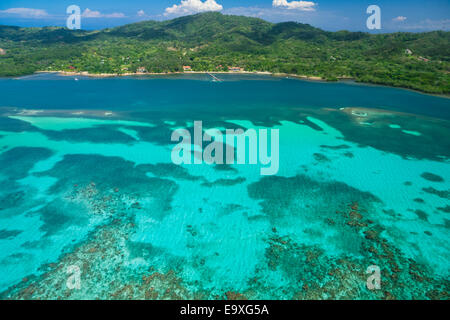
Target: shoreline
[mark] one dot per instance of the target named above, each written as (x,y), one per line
(266,73)
(128,74)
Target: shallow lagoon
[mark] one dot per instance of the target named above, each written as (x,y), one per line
(87,180)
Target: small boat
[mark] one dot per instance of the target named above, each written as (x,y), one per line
(76,79)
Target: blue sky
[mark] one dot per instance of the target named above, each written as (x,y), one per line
(397,15)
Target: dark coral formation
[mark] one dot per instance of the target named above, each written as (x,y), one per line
(432,177)
(225,182)
(444,194)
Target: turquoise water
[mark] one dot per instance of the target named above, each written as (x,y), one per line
(87,180)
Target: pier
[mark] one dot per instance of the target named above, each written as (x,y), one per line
(214,77)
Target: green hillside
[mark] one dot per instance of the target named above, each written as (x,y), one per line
(212,42)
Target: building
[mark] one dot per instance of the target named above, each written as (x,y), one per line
(187,68)
(235,69)
(2,52)
(424,59)
(141,70)
(408,52)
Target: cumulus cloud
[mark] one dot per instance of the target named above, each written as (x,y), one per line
(193,6)
(295,5)
(25,12)
(141,13)
(400,19)
(88,13)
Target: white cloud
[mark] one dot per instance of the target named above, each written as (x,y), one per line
(26,12)
(297,5)
(400,19)
(141,13)
(88,13)
(115,15)
(193,6)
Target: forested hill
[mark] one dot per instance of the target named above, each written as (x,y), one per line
(214,42)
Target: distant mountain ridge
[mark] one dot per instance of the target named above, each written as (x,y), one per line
(209,40)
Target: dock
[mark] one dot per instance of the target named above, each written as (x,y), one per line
(214,77)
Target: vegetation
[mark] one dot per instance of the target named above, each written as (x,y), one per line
(213,42)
